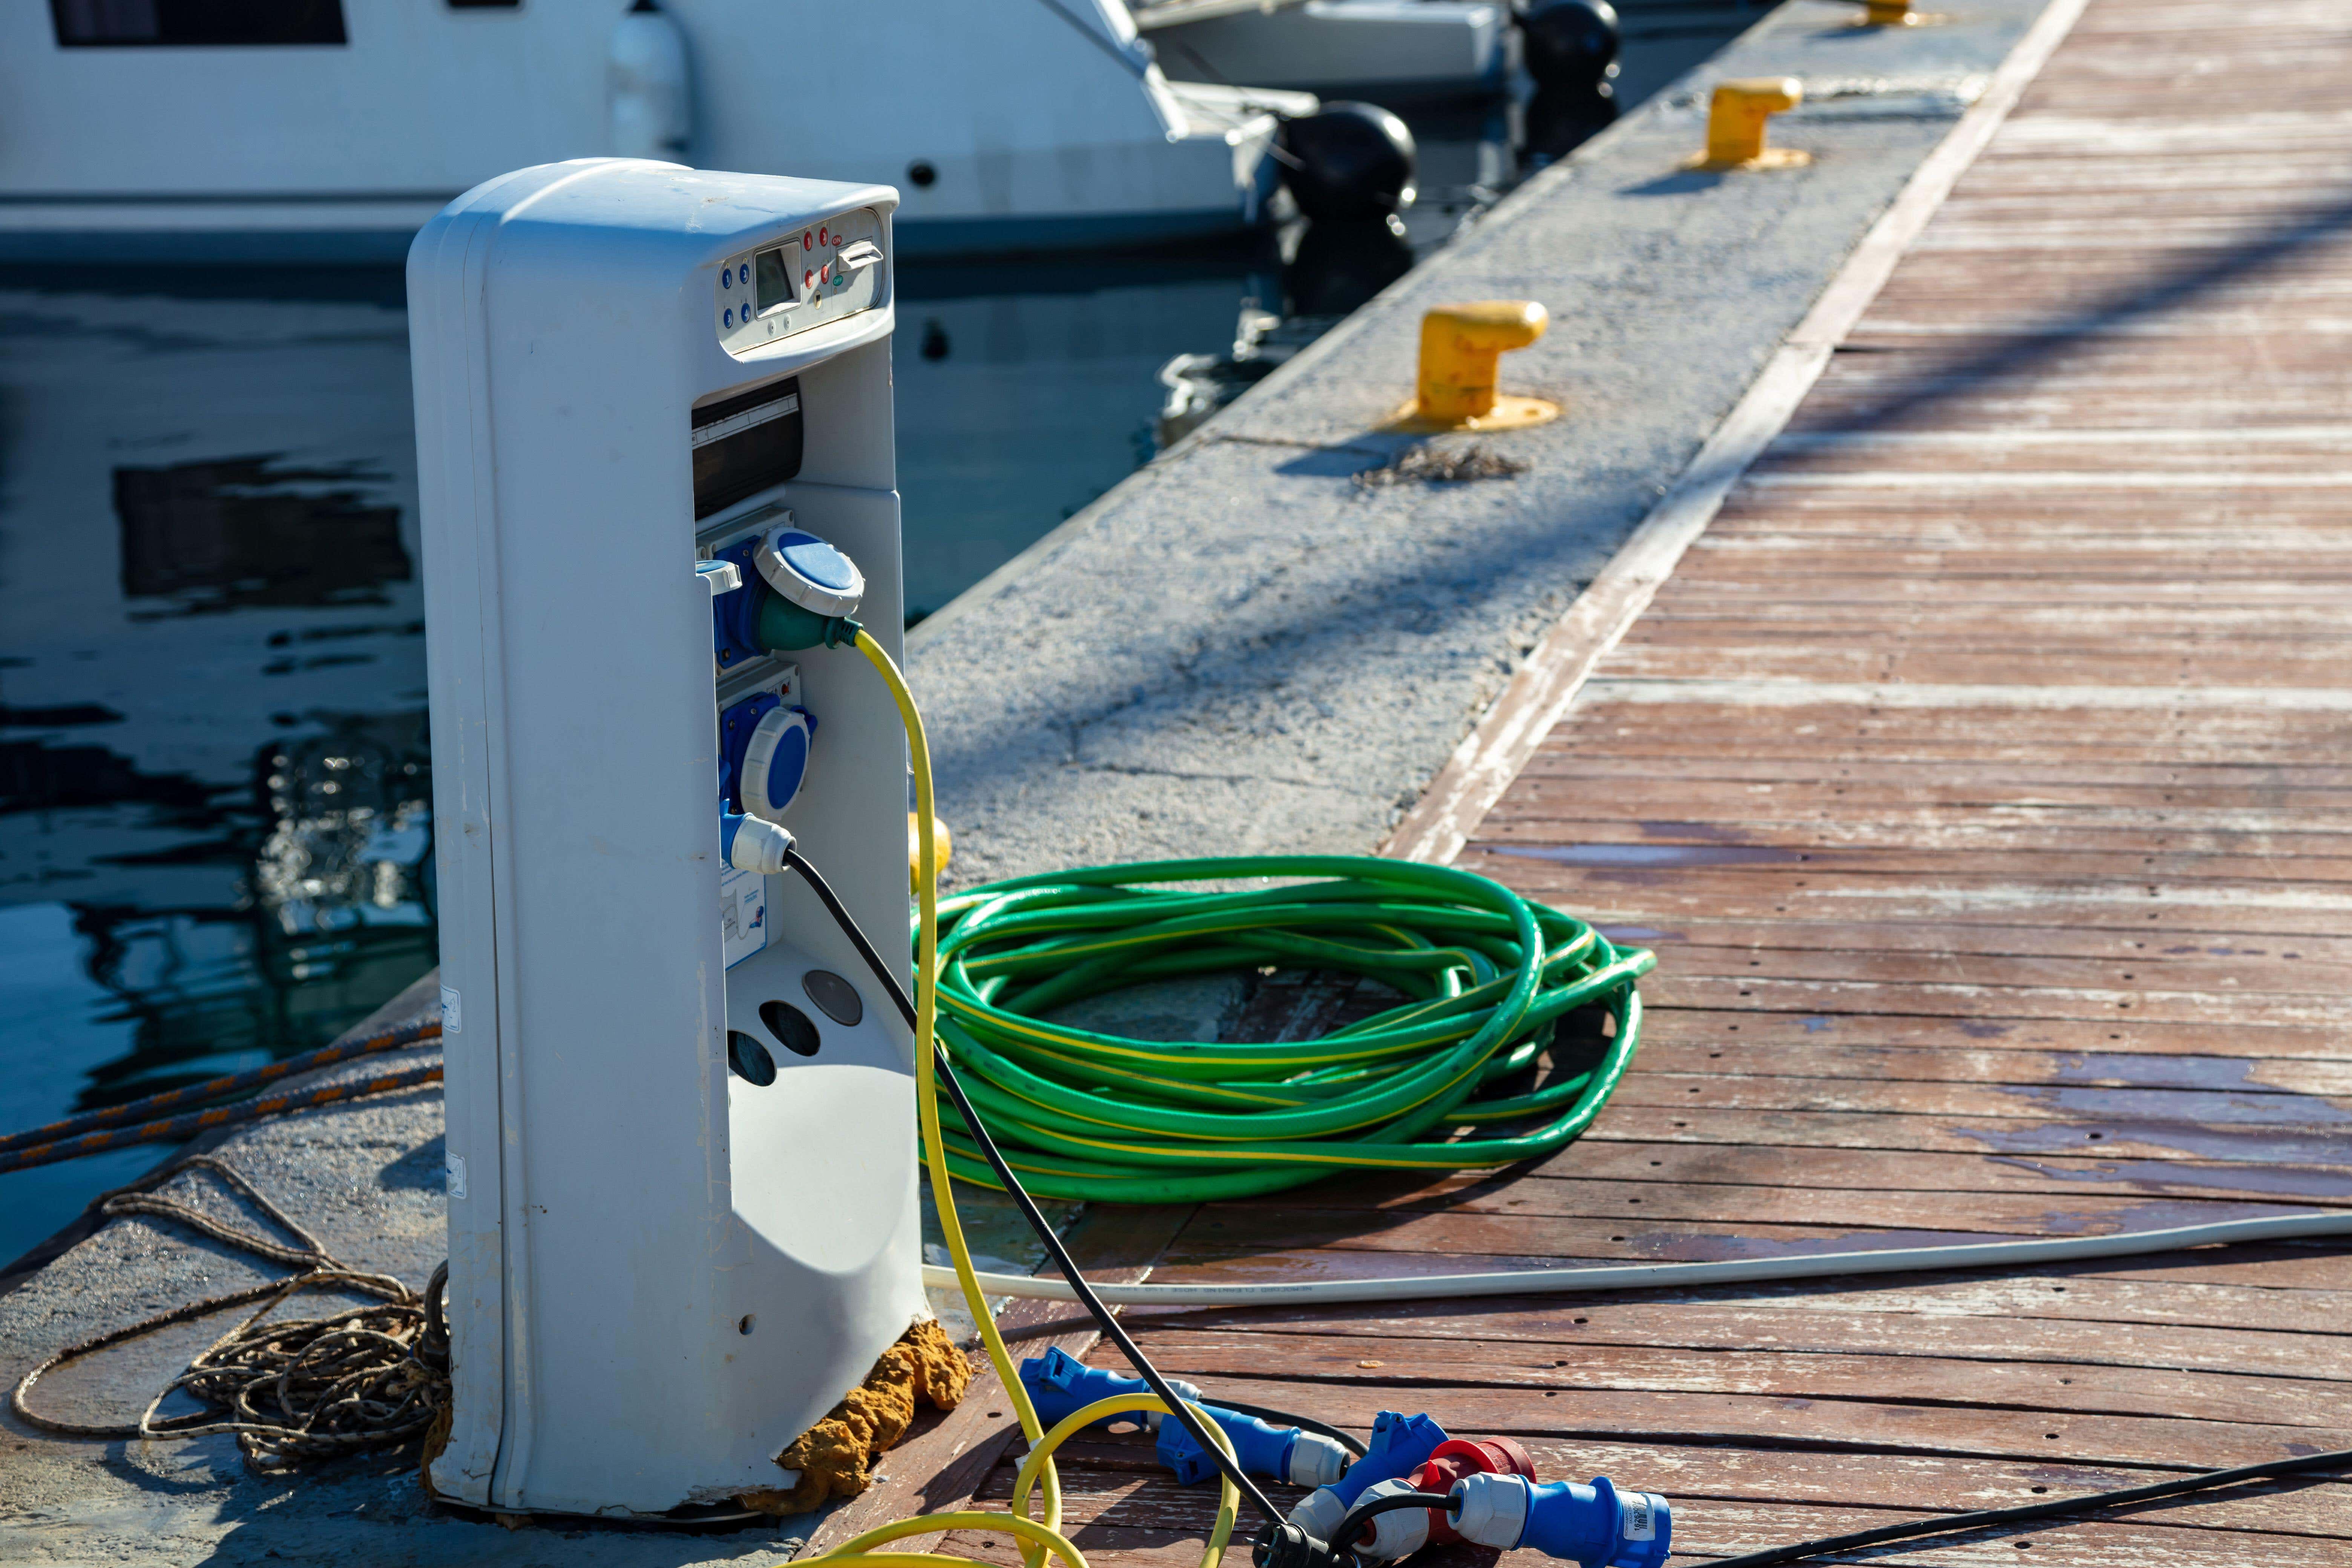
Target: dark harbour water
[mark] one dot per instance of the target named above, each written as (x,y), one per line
(215,823)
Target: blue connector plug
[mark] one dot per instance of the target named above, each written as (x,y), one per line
(1260,1449)
(1595,1526)
(1400,1445)
(1060,1386)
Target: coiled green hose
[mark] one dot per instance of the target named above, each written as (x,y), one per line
(1092,1116)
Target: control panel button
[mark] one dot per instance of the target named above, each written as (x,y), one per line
(841,265)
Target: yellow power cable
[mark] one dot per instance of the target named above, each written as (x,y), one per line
(1037,1538)
(1229,1495)
(1031,1535)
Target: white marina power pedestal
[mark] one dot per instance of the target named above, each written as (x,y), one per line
(682,1127)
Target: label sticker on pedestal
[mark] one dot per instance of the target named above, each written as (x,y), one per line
(743,914)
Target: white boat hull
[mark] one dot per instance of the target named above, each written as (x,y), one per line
(1384,48)
(1013,125)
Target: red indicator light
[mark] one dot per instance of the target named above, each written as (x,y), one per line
(806,242)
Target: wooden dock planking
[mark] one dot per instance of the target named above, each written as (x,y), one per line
(1982,776)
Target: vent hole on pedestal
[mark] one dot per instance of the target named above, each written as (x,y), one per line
(750,1059)
(791,1025)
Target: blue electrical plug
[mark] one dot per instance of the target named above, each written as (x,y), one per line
(1060,1386)
(1400,1445)
(1595,1526)
(1261,1448)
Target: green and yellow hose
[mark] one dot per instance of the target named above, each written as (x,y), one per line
(1087,1115)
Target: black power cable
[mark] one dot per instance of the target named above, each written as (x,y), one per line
(1956,1522)
(1103,1316)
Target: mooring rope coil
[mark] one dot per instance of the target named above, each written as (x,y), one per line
(291,1390)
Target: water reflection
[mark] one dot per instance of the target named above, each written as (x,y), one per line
(1558,121)
(213,789)
(1025,391)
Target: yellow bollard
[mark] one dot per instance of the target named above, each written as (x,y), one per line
(1459,347)
(1893,14)
(941,837)
(1736,120)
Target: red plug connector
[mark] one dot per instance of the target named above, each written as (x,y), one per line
(1406,1531)
(1459,1456)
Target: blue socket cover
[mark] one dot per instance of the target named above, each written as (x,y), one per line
(775,761)
(735,726)
(1400,1445)
(809,571)
(763,752)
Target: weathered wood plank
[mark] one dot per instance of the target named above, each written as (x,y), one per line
(1830,1172)
(2015,1136)
(1523,1371)
(2277,1270)
(1637,897)
(1787,1327)
(1240,1235)
(1665,1050)
(2197,1296)
(1336,1205)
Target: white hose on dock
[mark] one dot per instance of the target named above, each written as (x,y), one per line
(1671,1276)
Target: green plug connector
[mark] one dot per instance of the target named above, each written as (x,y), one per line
(784,626)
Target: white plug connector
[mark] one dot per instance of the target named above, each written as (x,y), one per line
(1398,1533)
(1316,1461)
(1188,1392)
(1491,1511)
(752,844)
(808,571)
